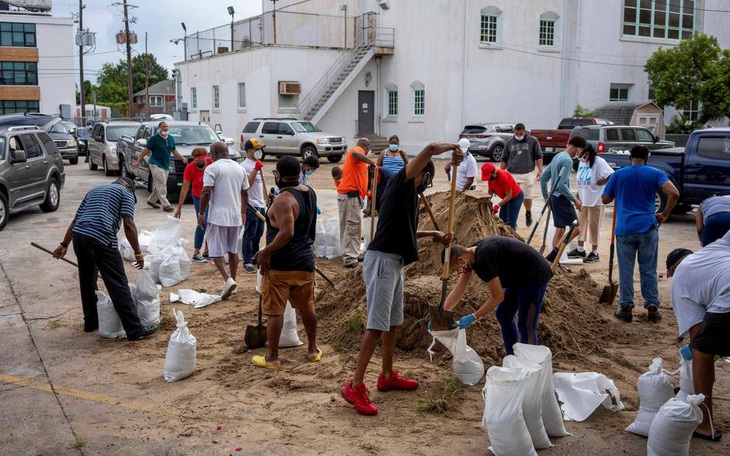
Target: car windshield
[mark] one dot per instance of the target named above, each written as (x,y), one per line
(58,128)
(115,133)
(473,130)
(193,135)
(305,127)
(2,149)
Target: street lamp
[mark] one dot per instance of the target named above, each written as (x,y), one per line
(185,41)
(343,8)
(231,11)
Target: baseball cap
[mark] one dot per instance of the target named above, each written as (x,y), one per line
(464,145)
(132,186)
(487,170)
(254,144)
(674,256)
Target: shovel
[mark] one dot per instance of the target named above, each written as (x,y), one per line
(544,208)
(255,336)
(609,291)
(544,233)
(423,198)
(441,319)
(563,245)
(373,199)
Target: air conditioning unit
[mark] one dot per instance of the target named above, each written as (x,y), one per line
(222,49)
(289,88)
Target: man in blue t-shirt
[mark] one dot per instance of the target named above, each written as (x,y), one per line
(634,189)
(160,147)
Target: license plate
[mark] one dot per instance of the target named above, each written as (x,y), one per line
(549,149)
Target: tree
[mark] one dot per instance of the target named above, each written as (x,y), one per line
(112,79)
(697,70)
(580,111)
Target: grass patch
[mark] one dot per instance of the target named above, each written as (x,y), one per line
(56,324)
(442,400)
(79,444)
(354,327)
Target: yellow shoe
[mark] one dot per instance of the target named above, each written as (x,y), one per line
(260,361)
(315,358)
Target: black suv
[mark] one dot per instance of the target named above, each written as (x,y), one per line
(31,172)
(53,125)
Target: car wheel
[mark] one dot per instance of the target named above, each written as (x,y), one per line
(4,211)
(334,158)
(73,161)
(309,151)
(92,166)
(497,152)
(105,166)
(53,197)
(660,201)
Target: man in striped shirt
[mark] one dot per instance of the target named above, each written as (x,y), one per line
(94,233)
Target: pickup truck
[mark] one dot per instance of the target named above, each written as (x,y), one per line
(699,170)
(187,135)
(554,141)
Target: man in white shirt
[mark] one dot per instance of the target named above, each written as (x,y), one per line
(224,186)
(466,172)
(254,227)
(701,301)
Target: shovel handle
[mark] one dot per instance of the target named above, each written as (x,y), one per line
(424,200)
(324,276)
(563,245)
(450,224)
(373,199)
(40,247)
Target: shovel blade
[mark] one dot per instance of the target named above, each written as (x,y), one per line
(441,320)
(609,294)
(255,336)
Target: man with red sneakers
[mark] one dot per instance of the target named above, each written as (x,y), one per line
(393,247)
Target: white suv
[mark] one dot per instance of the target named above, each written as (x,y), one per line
(288,136)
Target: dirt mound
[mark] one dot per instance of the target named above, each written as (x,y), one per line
(570,324)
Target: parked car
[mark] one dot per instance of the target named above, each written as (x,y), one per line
(103,144)
(620,137)
(51,124)
(187,135)
(488,139)
(289,136)
(71,128)
(31,172)
(699,170)
(555,140)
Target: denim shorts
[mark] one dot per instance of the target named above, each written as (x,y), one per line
(383,276)
(563,211)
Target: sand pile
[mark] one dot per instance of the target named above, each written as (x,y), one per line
(570,323)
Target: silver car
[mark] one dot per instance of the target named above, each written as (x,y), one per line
(287,136)
(488,139)
(103,144)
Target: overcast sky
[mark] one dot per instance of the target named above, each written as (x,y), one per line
(159,18)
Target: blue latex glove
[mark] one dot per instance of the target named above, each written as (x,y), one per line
(319,211)
(429,326)
(466,321)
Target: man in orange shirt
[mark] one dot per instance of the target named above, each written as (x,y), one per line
(504,185)
(350,195)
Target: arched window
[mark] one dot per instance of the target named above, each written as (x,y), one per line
(490,25)
(391,101)
(419,98)
(548,29)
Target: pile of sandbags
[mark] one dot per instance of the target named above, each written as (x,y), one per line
(168,263)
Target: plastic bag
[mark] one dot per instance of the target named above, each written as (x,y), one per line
(259,279)
(672,428)
(181,351)
(551,416)
(320,237)
(655,389)
(468,366)
(503,393)
(166,235)
(125,248)
(170,271)
(532,403)
(289,336)
(194,298)
(332,238)
(110,326)
(172,266)
(582,393)
(144,237)
(147,298)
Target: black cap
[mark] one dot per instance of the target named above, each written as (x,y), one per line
(675,256)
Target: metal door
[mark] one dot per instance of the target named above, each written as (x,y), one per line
(366,112)
(205,116)
(23,185)
(270,136)
(287,140)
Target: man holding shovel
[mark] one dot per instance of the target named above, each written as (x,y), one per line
(393,247)
(287,261)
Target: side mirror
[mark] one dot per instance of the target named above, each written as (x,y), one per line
(218,129)
(18,156)
(229,141)
(141,142)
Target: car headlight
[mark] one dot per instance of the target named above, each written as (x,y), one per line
(72,143)
(323,141)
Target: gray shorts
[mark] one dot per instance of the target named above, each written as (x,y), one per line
(383,276)
(222,239)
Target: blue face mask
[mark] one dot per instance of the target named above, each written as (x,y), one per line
(309,172)
(394,147)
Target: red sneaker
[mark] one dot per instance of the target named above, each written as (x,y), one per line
(396,382)
(358,397)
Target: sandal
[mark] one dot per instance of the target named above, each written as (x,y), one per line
(315,358)
(260,361)
(711,438)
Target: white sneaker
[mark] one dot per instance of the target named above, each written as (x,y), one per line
(228,287)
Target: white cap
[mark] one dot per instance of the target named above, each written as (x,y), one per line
(464,145)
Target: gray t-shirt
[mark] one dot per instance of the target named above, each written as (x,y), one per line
(714,205)
(520,156)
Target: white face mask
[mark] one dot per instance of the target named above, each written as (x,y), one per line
(163,132)
(257,154)
(519,138)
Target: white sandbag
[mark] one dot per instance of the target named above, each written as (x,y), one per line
(289,336)
(183,260)
(655,389)
(166,235)
(194,298)
(551,416)
(146,296)
(181,351)
(673,425)
(504,391)
(332,238)
(581,394)
(532,403)
(110,326)
(686,381)
(170,274)
(144,237)
(468,366)
(320,246)
(152,263)
(259,279)
(125,248)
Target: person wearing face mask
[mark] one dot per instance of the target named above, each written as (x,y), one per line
(254,228)
(522,154)
(309,165)
(160,146)
(466,173)
(517,277)
(193,180)
(637,229)
(287,261)
(392,157)
(502,184)
(392,248)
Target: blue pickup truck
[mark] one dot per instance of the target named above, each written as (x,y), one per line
(699,170)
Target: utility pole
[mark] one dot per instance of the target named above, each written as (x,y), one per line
(274,19)
(130,108)
(343,8)
(82,94)
(147,78)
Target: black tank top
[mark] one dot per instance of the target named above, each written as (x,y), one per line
(297,254)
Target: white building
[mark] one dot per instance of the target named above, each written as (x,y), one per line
(427,68)
(37,60)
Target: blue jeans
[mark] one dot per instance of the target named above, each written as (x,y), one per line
(510,211)
(252,232)
(199,231)
(527,299)
(646,245)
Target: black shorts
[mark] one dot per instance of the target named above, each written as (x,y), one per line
(563,211)
(713,336)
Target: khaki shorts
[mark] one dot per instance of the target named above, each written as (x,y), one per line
(526,181)
(278,287)
(589,220)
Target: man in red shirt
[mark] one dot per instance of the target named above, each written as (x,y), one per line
(193,177)
(504,185)
(350,195)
